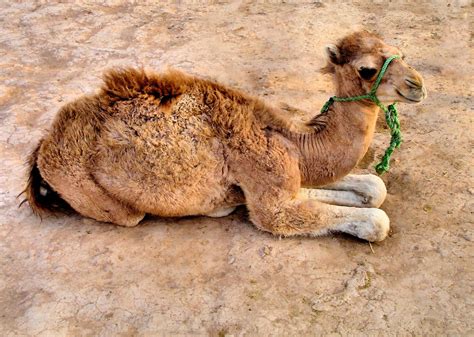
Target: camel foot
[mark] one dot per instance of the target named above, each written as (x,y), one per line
(220,212)
(353,190)
(371,224)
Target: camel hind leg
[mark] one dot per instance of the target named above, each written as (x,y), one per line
(63,160)
(85,196)
(92,201)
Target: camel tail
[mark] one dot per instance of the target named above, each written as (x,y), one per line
(39,194)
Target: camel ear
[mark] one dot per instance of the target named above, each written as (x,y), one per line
(333,54)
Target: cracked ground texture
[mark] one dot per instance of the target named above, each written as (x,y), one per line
(70,276)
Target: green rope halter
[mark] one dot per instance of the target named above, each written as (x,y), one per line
(391,116)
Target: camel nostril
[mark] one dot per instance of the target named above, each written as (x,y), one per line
(413,83)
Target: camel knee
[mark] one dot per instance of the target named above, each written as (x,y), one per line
(268,222)
(295,217)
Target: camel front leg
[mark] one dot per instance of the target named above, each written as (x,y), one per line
(274,206)
(271,195)
(355,190)
(313,218)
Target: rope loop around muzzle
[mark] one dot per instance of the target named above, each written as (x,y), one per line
(391,116)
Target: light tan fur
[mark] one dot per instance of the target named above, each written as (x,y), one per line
(171,144)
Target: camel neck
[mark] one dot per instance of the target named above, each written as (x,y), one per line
(340,139)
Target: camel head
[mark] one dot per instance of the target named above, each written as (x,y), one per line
(356,61)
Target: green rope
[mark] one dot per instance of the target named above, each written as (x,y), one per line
(391,116)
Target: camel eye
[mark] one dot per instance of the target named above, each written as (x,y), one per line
(367,73)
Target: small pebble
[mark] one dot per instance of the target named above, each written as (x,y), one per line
(265,250)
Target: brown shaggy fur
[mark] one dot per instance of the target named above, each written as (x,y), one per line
(171,144)
(354,45)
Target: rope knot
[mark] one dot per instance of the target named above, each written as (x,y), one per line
(326,105)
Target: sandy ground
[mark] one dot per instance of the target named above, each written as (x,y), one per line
(69,276)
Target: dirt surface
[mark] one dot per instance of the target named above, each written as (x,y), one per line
(70,276)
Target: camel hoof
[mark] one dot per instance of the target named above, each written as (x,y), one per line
(375,190)
(373,225)
(221,212)
(380,224)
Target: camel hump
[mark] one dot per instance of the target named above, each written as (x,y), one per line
(128,83)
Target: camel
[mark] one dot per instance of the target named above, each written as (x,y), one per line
(172,145)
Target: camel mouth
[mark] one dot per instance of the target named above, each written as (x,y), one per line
(410,99)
